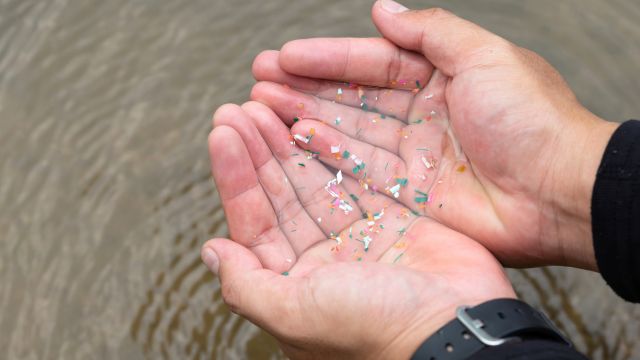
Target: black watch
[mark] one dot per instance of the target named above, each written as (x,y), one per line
(492,323)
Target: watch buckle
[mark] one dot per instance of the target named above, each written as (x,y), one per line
(476,327)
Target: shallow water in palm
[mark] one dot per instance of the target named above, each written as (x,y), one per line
(105,189)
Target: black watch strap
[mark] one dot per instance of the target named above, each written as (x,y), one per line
(492,323)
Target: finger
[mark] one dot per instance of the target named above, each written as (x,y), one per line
(251,219)
(309,178)
(369,201)
(295,223)
(450,43)
(259,294)
(389,102)
(407,177)
(373,61)
(356,123)
(375,167)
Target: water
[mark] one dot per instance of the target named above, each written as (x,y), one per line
(105,189)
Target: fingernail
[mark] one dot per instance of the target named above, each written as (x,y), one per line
(210,259)
(393,7)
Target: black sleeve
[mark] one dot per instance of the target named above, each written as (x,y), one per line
(615,212)
(529,350)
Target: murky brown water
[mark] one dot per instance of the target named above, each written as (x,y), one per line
(105,189)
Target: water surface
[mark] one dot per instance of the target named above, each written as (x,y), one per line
(105,189)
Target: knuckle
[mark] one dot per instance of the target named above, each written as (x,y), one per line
(437,12)
(230,296)
(223,112)
(395,64)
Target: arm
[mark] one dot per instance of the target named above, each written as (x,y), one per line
(616,212)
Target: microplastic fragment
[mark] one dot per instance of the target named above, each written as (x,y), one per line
(338,120)
(426,163)
(418,84)
(300,106)
(402,181)
(367,241)
(429,96)
(295,119)
(462,168)
(302,164)
(339,91)
(397,258)
(354,197)
(345,154)
(335,149)
(421,199)
(334,191)
(395,190)
(286,273)
(301,138)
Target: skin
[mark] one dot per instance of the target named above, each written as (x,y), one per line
(515,157)
(338,302)
(517,154)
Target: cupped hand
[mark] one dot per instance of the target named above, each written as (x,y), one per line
(308,267)
(488,137)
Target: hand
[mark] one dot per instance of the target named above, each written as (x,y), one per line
(334,299)
(488,132)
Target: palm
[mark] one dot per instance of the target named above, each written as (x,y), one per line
(274,207)
(403,132)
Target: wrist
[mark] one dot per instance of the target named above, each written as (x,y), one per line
(491,324)
(405,344)
(578,157)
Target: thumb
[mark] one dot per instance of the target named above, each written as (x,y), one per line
(450,43)
(247,288)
